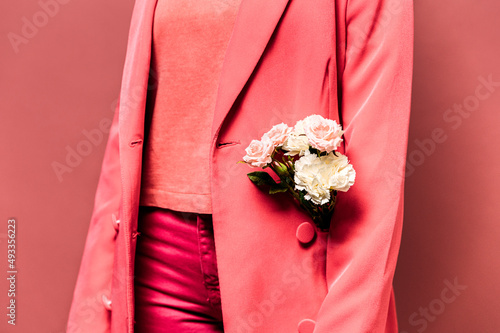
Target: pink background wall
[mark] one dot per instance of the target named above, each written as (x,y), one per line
(59,84)
(62,83)
(452,212)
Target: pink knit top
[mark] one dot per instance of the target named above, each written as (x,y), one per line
(190,38)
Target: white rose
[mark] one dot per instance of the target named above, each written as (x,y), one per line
(323,134)
(259,153)
(296,144)
(278,134)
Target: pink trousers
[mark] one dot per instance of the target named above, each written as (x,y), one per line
(176,281)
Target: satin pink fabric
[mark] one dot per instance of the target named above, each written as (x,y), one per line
(176,282)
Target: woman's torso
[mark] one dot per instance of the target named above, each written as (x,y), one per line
(189,43)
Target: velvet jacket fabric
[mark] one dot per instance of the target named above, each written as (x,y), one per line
(349,60)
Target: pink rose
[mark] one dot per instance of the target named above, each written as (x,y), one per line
(278,134)
(259,153)
(323,134)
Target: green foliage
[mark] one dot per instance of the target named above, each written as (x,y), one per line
(261,178)
(278,188)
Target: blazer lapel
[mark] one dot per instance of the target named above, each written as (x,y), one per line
(255,22)
(254,26)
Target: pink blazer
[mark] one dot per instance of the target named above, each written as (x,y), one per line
(349,60)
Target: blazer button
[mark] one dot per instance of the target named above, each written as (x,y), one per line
(305,232)
(116,222)
(306,326)
(106,302)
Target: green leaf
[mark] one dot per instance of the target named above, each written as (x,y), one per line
(260,178)
(278,188)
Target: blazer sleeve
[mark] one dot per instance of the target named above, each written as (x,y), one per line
(375,59)
(87,312)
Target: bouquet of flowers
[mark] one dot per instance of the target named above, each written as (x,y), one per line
(305,160)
